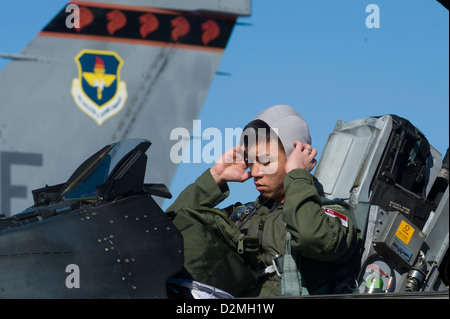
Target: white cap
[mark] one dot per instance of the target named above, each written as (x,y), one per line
(290,125)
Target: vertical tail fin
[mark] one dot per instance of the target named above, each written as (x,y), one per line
(135,70)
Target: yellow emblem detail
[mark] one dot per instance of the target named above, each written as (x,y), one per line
(98,78)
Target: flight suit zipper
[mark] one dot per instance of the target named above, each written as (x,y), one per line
(260,230)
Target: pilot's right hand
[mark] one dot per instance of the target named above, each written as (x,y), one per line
(230,167)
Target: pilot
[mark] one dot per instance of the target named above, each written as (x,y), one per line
(278,155)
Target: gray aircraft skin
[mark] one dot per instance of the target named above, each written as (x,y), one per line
(162,57)
(102,221)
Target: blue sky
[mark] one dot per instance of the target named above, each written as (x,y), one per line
(318,56)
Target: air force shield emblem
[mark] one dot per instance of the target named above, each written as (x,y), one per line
(98,91)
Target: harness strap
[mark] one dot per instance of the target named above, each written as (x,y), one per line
(291,281)
(277,266)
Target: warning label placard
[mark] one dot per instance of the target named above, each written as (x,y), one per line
(404,232)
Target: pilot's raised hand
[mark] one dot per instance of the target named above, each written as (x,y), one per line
(230,167)
(303,156)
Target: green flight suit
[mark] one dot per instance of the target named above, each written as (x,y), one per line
(325,243)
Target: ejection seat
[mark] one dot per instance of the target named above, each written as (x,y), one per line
(385,169)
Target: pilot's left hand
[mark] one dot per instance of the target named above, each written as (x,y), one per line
(303,157)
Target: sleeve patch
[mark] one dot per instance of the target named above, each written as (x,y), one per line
(335,214)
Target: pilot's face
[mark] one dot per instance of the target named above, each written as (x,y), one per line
(266,163)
